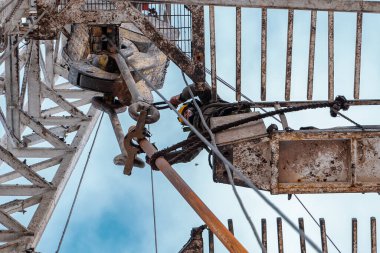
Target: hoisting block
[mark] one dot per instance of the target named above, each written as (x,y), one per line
(345,159)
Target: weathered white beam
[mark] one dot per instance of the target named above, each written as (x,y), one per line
(80,94)
(39,129)
(35,167)
(59,109)
(12,89)
(7,130)
(44,210)
(61,71)
(7,221)
(21,190)
(66,85)
(22,168)
(33,139)
(323,5)
(61,121)
(39,152)
(64,104)
(49,63)
(34,84)
(19,205)
(8,236)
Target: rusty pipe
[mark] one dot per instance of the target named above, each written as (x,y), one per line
(215,225)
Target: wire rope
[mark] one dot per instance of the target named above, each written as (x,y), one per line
(153,206)
(230,179)
(219,154)
(316,222)
(79,186)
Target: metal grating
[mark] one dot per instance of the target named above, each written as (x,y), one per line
(90,5)
(172,20)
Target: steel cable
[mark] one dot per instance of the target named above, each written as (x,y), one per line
(79,186)
(219,154)
(230,179)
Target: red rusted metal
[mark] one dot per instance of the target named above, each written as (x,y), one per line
(225,236)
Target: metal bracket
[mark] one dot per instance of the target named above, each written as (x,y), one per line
(134,133)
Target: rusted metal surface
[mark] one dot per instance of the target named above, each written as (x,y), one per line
(198,47)
(280,239)
(354,235)
(310,74)
(302,235)
(289,54)
(210,241)
(263,54)
(238,53)
(195,243)
(231,226)
(373,235)
(264,235)
(337,5)
(299,103)
(323,235)
(331,55)
(304,161)
(214,92)
(358,51)
(225,236)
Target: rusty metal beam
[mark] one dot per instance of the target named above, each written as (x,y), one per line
(331,55)
(289,54)
(238,54)
(323,5)
(354,235)
(280,239)
(322,225)
(215,225)
(373,235)
(310,73)
(302,235)
(214,91)
(264,235)
(263,54)
(358,50)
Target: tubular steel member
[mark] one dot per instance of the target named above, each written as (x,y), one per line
(215,225)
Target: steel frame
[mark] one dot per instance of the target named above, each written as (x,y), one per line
(49,124)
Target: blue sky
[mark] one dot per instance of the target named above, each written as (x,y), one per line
(114,211)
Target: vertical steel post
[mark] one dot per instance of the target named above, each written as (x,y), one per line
(373,235)
(12,88)
(289,53)
(230,226)
(354,235)
(263,54)
(279,236)
(302,235)
(34,84)
(264,235)
(238,54)
(358,51)
(210,241)
(331,55)
(215,225)
(214,91)
(310,74)
(323,234)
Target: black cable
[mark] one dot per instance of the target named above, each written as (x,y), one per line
(79,185)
